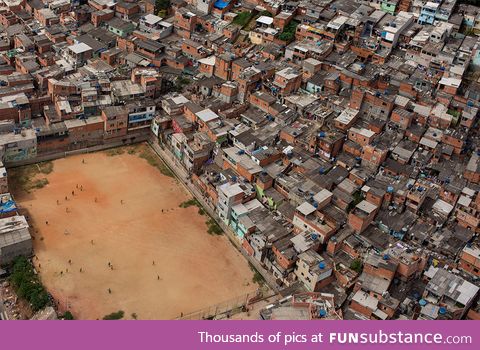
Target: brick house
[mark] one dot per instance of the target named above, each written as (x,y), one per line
(362,215)
(115,119)
(470,260)
(288,80)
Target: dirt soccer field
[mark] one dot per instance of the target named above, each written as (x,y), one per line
(109,247)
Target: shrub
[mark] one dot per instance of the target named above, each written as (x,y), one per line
(27,285)
(180,83)
(118,315)
(40,183)
(189,203)
(257,276)
(265,13)
(155,161)
(68,316)
(26,178)
(213,227)
(243,18)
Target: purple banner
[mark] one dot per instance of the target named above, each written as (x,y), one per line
(240,335)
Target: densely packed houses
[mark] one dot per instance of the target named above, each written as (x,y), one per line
(337,139)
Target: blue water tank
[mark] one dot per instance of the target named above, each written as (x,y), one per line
(322,313)
(314,236)
(315,204)
(422,302)
(390,189)
(386,257)
(321,134)
(321,171)
(321,265)
(442,311)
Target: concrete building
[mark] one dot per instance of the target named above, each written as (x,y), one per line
(18,145)
(228,196)
(120,27)
(15,239)
(428,12)
(450,291)
(313,271)
(78,54)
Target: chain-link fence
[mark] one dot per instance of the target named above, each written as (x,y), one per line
(224,308)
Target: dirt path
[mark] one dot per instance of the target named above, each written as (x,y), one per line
(164,264)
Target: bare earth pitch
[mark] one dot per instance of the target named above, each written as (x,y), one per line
(124,253)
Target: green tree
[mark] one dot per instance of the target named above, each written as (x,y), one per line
(356,265)
(27,285)
(162,5)
(288,33)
